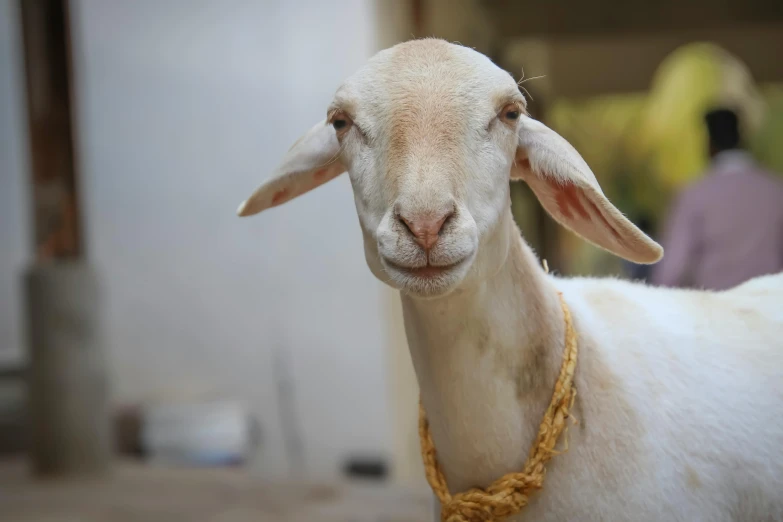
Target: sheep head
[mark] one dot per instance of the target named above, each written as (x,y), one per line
(430,133)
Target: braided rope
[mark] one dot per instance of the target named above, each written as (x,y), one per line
(510,493)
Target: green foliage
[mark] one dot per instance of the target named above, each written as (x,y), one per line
(645,147)
(767,144)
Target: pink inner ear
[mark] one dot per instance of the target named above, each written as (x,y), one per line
(567,199)
(280,196)
(320,177)
(310,182)
(606,223)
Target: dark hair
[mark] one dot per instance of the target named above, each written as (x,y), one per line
(723,129)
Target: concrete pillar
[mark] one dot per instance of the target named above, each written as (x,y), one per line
(68,388)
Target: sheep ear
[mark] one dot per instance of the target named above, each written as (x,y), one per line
(312,161)
(568,190)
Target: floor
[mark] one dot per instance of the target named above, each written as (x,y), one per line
(137,493)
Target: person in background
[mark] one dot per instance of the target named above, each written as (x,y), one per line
(728,227)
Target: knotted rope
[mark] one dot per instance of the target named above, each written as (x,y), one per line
(510,493)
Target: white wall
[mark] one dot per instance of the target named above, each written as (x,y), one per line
(185,106)
(14,232)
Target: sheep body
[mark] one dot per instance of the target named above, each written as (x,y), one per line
(678,391)
(678,394)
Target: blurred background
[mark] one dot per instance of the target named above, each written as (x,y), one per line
(161,359)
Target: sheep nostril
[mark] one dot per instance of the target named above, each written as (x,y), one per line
(426,228)
(406,224)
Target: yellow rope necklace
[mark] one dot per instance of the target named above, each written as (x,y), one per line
(510,493)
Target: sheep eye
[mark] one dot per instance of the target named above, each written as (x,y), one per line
(510,113)
(340,121)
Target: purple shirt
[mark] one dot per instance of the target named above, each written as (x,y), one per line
(725,229)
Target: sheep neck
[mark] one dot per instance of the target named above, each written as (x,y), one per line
(486,358)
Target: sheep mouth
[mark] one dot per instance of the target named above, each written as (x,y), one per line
(426,272)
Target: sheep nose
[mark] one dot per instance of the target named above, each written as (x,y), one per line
(426,228)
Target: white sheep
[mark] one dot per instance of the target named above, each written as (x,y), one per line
(680,393)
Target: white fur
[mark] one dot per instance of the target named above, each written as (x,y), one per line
(679,392)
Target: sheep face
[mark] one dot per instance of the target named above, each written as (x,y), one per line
(430,133)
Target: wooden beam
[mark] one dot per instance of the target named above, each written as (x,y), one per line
(417,13)
(564,18)
(47,51)
(581,67)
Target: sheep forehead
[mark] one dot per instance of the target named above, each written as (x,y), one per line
(430,80)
